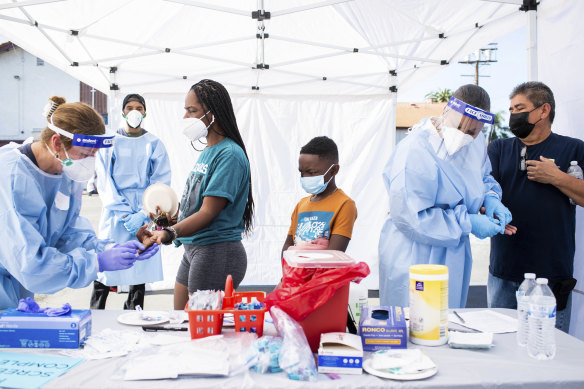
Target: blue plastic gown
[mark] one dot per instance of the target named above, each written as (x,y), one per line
(124,171)
(430,197)
(46,245)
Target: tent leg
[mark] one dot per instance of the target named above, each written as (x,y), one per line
(532,45)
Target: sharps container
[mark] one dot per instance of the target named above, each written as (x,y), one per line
(429,304)
(332,315)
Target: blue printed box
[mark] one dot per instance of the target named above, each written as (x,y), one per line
(29,330)
(383,328)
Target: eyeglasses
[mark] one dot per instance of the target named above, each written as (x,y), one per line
(523,158)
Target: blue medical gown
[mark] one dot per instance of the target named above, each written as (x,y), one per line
(46,245)
(430,197)
(124,171)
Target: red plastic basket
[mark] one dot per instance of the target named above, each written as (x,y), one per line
(204,323)
(249,320)
(210,322)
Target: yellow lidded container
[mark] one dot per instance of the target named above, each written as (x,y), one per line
(429,304)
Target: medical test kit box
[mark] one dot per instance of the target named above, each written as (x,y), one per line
(341,353)
(383,327)
(33,330)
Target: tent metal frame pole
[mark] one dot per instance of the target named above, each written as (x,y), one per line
(532,45)
(41,29)
(214,43)
(26,3)
(90,56)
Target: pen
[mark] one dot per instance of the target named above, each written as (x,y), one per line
(458,316)
(164,328)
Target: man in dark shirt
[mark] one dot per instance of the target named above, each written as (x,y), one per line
(531,169)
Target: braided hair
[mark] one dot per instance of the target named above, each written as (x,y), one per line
(214,97)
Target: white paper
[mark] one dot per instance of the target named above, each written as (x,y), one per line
(485,321)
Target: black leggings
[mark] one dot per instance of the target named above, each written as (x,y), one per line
(101,291)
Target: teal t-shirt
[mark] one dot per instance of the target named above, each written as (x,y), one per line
(221,171)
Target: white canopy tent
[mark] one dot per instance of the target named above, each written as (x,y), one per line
(295,70)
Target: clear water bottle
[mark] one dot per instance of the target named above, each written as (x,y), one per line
(575,171)
(523,294)
(541,342)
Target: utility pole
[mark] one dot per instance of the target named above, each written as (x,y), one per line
(482,56)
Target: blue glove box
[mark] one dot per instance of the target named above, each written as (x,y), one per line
(33,330)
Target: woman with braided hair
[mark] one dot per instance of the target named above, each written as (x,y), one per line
(217,203)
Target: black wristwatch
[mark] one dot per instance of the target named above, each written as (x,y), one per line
(172,233)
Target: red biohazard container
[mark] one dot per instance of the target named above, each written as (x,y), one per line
(330,317)
(210,322)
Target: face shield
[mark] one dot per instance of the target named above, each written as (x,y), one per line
(466,118)
(82,140)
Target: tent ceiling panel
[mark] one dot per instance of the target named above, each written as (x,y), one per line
(309,47)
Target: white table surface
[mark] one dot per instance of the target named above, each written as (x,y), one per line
(505,365)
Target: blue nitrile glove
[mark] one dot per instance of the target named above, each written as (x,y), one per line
(117,258)
(494,207)
(146,253)
(134,221)
(65,309)
(149,252)
(482,227)
(132,244)
(28,305)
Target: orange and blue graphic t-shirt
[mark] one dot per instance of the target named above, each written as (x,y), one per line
(313,220)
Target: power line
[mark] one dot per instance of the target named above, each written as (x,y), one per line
(484,56)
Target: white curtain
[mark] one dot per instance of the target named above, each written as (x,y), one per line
(560,50)
(274,129)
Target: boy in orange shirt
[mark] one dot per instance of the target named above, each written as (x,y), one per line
(323,220)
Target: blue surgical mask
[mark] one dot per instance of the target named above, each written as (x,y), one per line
(315,184)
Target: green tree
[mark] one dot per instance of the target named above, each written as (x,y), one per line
(439,95)
(498,129)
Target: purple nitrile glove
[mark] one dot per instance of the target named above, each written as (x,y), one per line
(118,257)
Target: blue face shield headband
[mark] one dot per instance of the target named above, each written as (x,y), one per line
(91,141)
(470,111)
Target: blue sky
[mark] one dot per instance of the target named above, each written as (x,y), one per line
(510,70)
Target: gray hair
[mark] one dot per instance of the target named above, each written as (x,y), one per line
(538,93)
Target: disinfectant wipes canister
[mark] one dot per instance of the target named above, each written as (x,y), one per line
(429,304)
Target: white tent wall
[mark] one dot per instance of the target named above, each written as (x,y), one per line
(274,128)
(561,54)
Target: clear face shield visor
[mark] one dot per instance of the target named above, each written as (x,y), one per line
(466,118)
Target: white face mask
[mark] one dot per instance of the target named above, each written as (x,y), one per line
(454,139)
(79,170)
(134,118)
(194,128)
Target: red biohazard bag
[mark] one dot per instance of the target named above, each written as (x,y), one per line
(304,290)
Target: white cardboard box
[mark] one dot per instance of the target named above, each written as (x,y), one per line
(340,352)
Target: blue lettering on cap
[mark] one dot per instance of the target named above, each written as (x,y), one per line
(420,285)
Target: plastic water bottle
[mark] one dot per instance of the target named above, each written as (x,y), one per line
(523,294)
(542,321)
(358,298)
(575,171)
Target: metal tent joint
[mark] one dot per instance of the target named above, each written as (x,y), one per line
(114,87)
(441,36)
(167,50)
(393,89)
(262,66)
(260,15)
(443,62)
(113,69)
(74,32)
(262,36)
(529,5)
(393,72)
(255,87)
(74,63)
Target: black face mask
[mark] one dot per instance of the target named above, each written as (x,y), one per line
(519,124)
